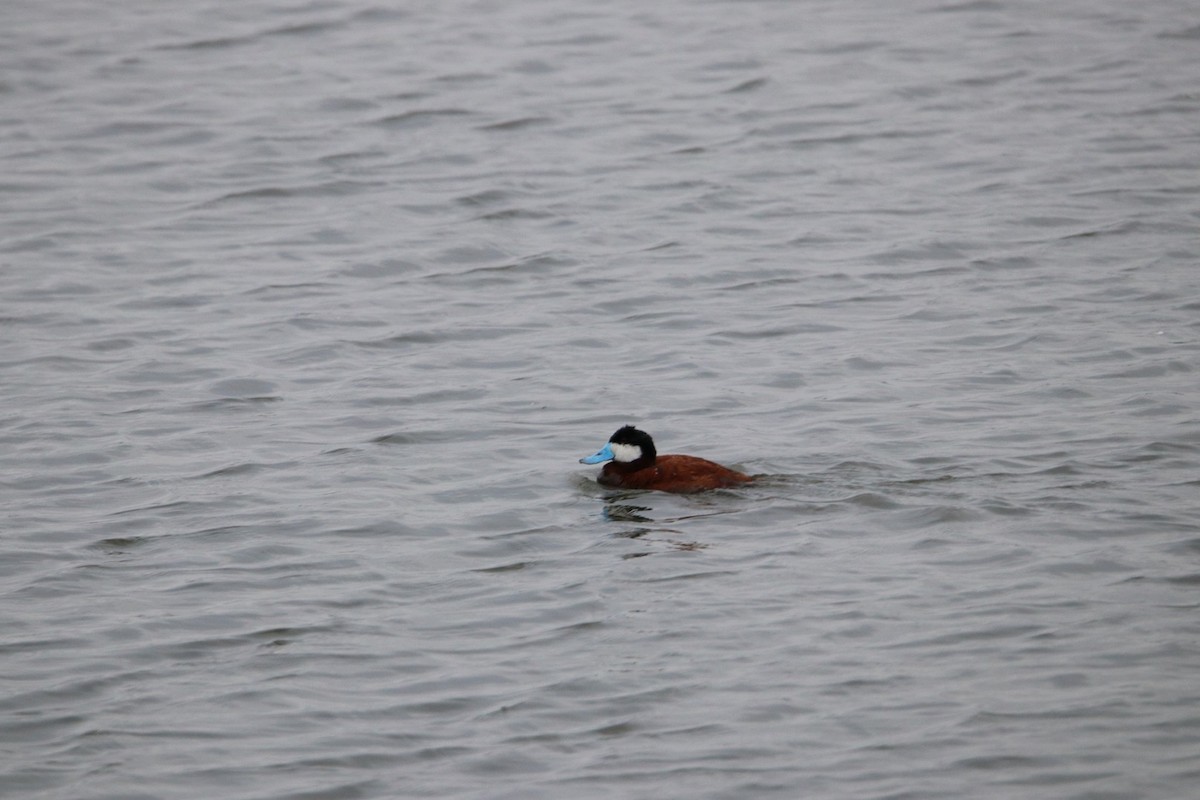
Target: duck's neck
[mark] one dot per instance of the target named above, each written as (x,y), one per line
(625,467)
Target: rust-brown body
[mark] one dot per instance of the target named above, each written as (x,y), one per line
(672,473)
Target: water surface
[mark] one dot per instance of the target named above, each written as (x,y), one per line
(309,310)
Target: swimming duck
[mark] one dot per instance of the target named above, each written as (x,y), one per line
(635,464)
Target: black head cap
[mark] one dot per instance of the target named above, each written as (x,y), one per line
(631,435)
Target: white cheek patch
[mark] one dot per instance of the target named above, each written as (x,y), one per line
(625,453)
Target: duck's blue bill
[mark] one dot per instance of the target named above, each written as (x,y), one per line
(605,454)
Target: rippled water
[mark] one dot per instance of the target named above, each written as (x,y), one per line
(309,310)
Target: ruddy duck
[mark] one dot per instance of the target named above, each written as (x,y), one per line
(635,464)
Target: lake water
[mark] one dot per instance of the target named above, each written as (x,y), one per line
(309,310)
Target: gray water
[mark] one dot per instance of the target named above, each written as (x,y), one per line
(309,310)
